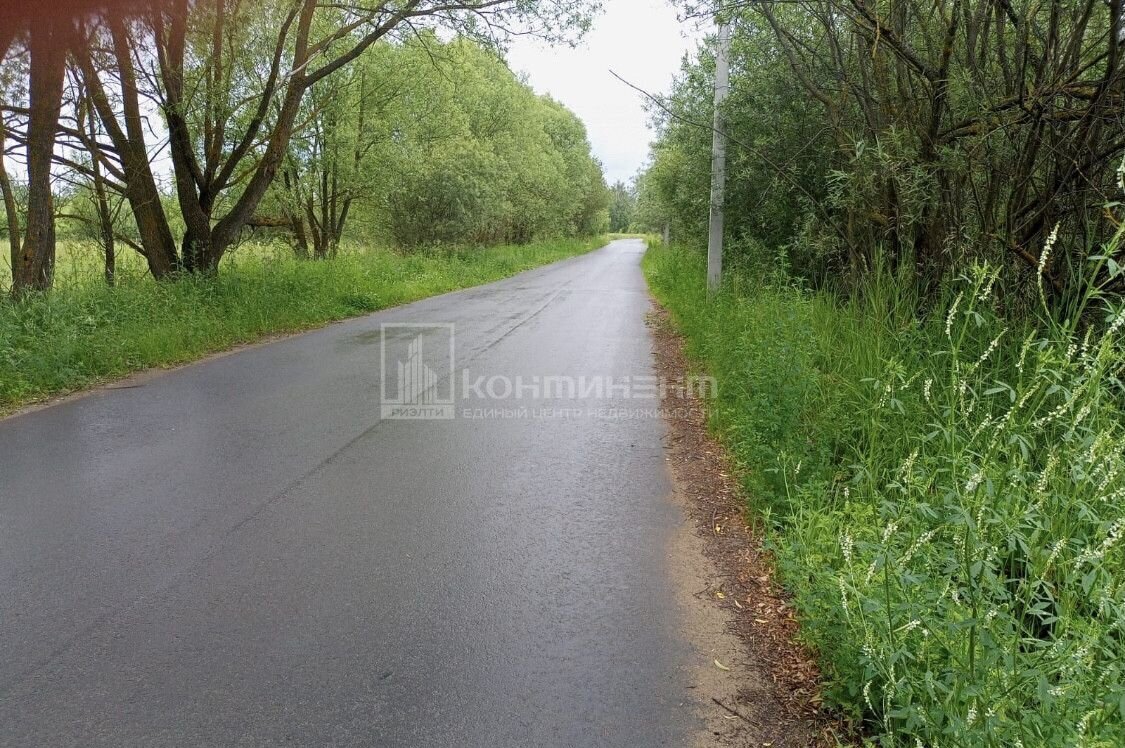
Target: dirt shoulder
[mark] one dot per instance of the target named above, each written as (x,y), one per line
(754,684)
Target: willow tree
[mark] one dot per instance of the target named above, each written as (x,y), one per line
(230,77)
(33,258)
(338,159)
(47,33)
(497,163)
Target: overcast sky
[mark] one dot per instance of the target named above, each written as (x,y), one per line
(641,41)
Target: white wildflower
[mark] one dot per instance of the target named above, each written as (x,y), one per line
(986,290)
(1041,485)
(1043,257)
(1027,396)
(1054,414)
(1023,351)
(1116,530)
(1055,550)
(1108,477)
(1118,321)
(974,482)
(886,394)
(1084,349)
(982,426)
(952,314)
(991,347)
(907,467)
(918,545)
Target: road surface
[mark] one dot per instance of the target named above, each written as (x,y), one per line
(246,552)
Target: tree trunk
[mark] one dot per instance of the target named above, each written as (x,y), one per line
(226,231)
(199,252)
(101,202)
(35,263)
(157,243)
(109,243)
(11,210)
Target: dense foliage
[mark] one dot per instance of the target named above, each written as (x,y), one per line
(435,143)
(622,207)
(925,134)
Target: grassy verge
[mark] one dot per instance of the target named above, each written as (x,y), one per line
(945,498)
(85,332)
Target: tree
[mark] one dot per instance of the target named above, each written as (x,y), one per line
(33,261)
(12,224)
(498,163)
(336,159)
(622,205)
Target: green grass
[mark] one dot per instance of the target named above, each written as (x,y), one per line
(83,332)
(945,498)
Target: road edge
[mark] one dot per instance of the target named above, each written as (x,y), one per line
(139,377)
(771,692)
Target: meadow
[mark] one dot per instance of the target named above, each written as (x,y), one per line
(944,496)
(84,332)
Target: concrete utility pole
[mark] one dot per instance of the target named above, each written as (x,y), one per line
(718,160)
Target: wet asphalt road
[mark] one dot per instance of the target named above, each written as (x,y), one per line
(244,552)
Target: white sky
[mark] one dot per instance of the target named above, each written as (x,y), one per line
(641,41)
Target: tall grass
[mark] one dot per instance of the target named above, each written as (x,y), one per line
(84,331)
(945,497)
